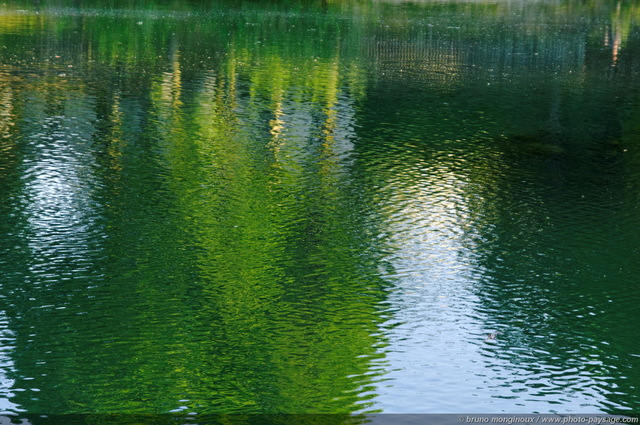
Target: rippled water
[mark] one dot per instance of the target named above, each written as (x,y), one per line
(319,208)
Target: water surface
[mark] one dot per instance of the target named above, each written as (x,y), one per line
(319,207)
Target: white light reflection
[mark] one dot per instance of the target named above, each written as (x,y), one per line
(57,196)
(434,302)
(7,344)
(439,337)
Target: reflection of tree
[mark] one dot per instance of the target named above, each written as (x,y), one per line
(623,19)
(9,187)
(231,264)
(277,270)
(222,274)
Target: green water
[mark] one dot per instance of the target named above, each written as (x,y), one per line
(319,207)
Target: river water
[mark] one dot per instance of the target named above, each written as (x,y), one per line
(319,207)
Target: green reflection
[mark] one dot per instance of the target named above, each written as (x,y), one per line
(220,276)
(199,198)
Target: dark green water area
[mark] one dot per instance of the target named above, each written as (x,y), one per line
(300,207)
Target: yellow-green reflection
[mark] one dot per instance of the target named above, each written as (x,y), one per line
(211,209)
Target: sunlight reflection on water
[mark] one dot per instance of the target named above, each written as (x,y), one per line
(319,210)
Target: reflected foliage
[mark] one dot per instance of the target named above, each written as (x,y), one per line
(210,207)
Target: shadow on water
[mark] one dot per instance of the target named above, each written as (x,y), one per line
(558,278)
